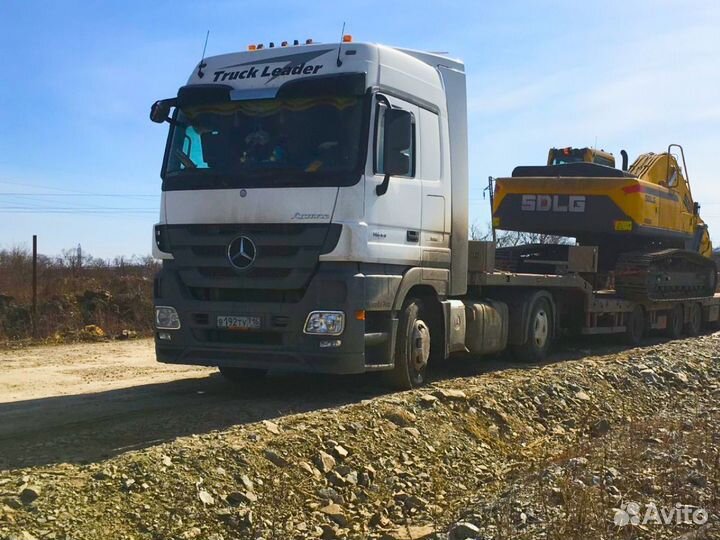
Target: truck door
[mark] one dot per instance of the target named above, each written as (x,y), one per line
(393,219)
(434,202)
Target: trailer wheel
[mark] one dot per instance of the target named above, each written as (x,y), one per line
(242,375)
(539,334)
(635,326)
(412,350)
(675,322)
(694,322)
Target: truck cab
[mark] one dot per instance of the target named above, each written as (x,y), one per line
(312,197)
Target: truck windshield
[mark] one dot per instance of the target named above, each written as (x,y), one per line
(267,143)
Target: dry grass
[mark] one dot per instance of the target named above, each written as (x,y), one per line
(666,460)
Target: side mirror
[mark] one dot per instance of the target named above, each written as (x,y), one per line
(160,110)
(397,142)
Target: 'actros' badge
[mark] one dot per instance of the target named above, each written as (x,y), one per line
(241,253)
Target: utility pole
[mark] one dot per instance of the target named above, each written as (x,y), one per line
(491,192)
(34,288)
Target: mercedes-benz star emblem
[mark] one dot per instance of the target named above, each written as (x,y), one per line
(241,253)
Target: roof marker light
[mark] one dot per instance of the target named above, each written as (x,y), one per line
(284,44)
(272,44)
(296,42)
(259,46)
(347,38)
(251,47)
(308,41)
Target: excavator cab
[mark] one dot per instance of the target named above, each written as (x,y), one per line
(564,156)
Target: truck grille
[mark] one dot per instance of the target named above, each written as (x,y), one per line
(286,257)
(216,294)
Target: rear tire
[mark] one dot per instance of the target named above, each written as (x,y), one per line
(693,325)
(412,349)
(539,334)
(242,375)
(635,327)
(675,322)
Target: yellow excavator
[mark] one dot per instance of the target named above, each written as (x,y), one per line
(643,218)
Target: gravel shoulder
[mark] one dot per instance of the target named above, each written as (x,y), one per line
(499,451)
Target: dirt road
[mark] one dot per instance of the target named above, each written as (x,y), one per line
(41,372)
(86,402)
(81,403)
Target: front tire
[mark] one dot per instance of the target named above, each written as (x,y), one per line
(539,334)
(242,375)
(412,350)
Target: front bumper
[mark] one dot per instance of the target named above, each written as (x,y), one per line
(280,342)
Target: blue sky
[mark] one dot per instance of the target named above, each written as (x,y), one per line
(78,79)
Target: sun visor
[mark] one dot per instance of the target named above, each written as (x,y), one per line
(203,94)
(343,85)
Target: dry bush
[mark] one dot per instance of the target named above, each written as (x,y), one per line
(74,291)
(514,238)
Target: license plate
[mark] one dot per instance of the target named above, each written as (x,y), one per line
(233,322)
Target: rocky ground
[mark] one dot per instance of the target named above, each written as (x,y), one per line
(582,448)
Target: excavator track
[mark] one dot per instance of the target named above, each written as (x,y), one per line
(670,274)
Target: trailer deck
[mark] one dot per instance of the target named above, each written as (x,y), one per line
(604,312)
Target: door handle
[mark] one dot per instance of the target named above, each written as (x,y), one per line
(413,236)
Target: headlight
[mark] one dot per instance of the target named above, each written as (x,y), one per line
(166,318)
(325,323)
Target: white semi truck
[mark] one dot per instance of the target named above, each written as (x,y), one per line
(314,217)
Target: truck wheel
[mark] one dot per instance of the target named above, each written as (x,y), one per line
(412,350)
(242,375)
(675,322)
(539,334)
(635,326)
(694,322)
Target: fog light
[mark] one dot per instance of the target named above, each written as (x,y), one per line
(325,323)
(330,343)
(166,318)
(165,336)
